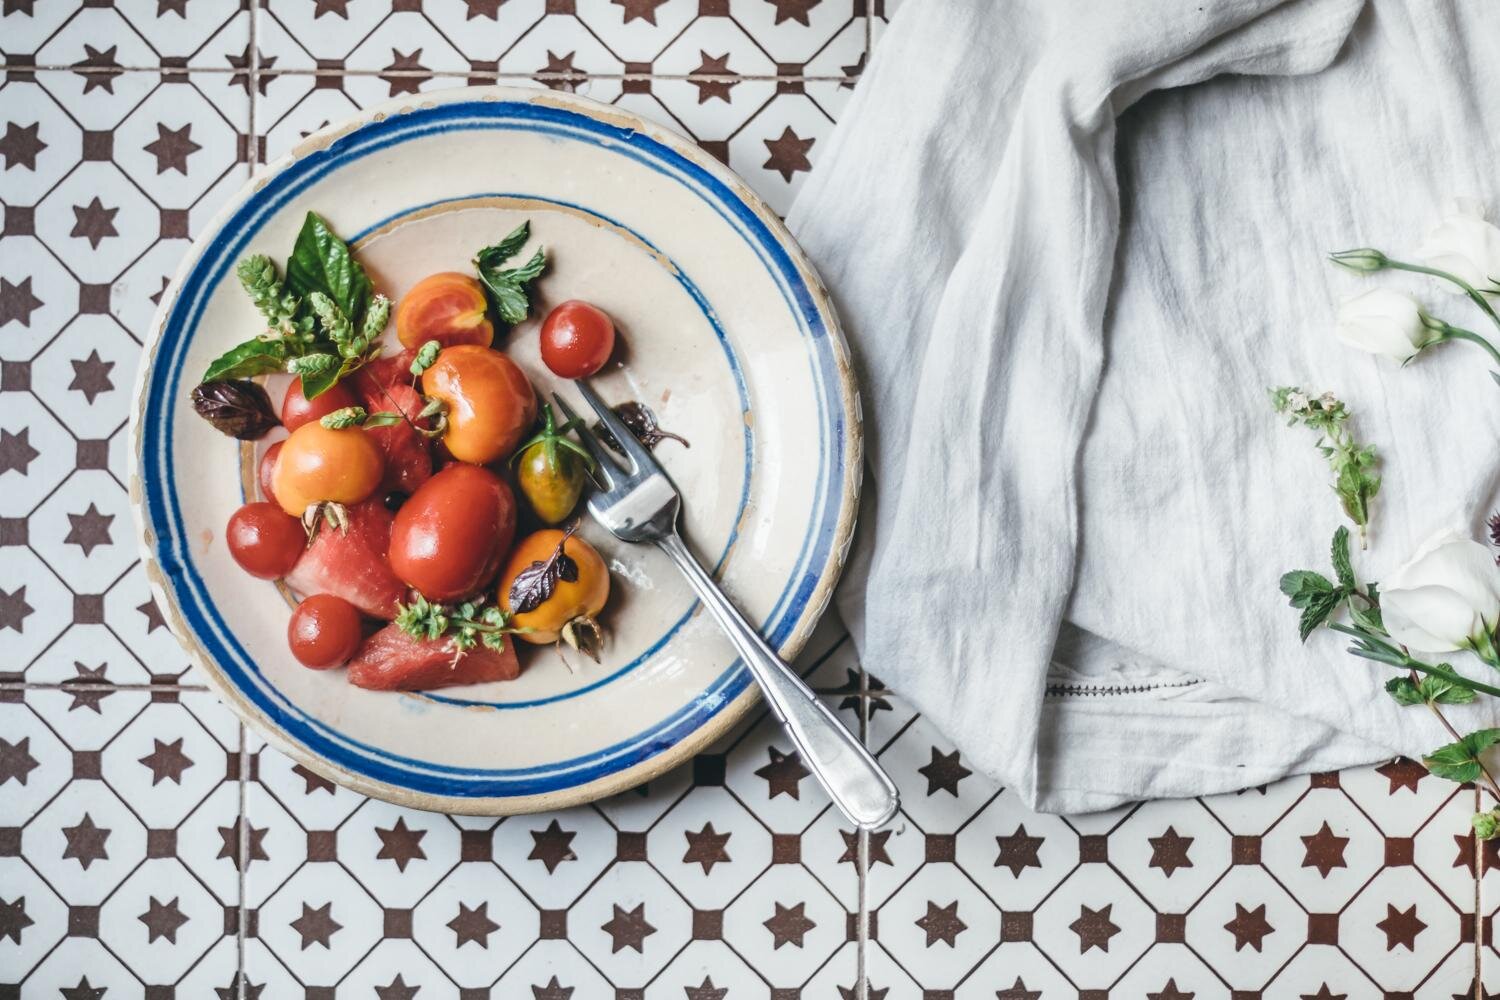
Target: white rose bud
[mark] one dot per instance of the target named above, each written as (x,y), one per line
(1465,245)
(1382,322)
(1446,597)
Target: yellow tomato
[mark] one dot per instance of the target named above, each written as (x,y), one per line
(318,464)
(572,601)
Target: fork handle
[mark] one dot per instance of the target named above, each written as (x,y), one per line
(845,769)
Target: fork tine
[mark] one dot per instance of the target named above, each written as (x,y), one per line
(603,461)
(643,461)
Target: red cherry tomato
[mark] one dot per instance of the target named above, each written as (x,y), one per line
(324,631)
(265,540)
(451,534)
(577,339)
(267,470)
(297,409)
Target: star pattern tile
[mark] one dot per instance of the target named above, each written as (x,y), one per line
(139,115)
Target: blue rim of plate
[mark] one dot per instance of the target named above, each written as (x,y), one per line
(167,534)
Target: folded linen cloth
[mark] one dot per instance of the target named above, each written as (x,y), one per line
(1073,244)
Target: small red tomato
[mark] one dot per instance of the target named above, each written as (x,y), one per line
(449,537)
(324,631)
(577,339)
(265,540)
(297,409)
(267,470)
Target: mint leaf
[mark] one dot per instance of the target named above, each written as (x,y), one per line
(506,248)
(1404,691)
(1317,611)
(1342,567)
(1460,761)
(1302,586)
(321,262)
(1430,689)
(508,288)
(253,357)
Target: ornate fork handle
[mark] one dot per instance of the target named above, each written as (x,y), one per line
(835,756)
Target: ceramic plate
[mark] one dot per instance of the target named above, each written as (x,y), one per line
(728,337)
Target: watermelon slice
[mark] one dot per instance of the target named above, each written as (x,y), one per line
(385,385)
(353,565)
(391,660)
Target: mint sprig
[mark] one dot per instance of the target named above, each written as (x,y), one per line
(508,288)
(1353,465)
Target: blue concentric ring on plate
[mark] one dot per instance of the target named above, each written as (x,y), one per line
(169,534)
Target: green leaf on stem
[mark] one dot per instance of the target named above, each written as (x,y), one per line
(1460,761)
(322,262)
(1342,566)
(508,288)
(1317,612)
(1303,586)
(1429,690)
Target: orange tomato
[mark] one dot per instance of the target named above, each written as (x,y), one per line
(448,307)
(490,403)
(317,464)
(570,600)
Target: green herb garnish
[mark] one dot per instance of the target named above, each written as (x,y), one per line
(508,288)
(465,625)
(1353,465)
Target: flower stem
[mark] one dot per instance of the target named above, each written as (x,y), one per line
(1408,663)
(1450,332)
(1492,787)
(1468,289)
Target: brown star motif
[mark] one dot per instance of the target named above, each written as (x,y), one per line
(156,296)
(941,923)
(1169,852)
(89,530)
(178,7)
(794,10)
(18,7)
(552,846)
(15,759)
(13,606)
(1402,773)
(316,926)
(85,841)
(312,780)
(1094,928)
(853,70)
(91,376)
(162,920)
(1249,927)
(397,990)
(871,992)
(1474,992)
(1019,851)
(1401,927)
(154,619)
(1018,991)
(789,156)
(241,64)
(879,855)
(706,847)
(1324,851)
(172,147)
(628,928)
(396,73)
(560,73)
(706,990)
(483,8)
(231,846)
(167,761)
(943,772)
(339,7)
(400,844)
(1465,859)
(83,991)
(788,925)
(13,919)
(644,9)
(1324,993)
(783,773)
(21,145)
(713,66)
(1170,992)
(17,303)
(98,68)
(473,925)
(94,222)
(83,687)
(552,991)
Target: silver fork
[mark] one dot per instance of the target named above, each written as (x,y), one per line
(638,503)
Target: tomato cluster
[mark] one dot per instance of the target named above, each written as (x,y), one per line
(418,509)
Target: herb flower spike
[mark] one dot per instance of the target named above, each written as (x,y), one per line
(257,273)
(1353,465)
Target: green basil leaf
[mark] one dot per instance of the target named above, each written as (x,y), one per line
(322,262)
(317,383)
(1460,761)
(253,357)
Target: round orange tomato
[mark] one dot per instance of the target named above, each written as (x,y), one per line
(317,464)
(448,307)
(490,403)
(572,601)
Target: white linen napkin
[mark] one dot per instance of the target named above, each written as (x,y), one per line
(1073,244)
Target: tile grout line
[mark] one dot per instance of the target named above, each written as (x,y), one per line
(862,860)
(418,74)
(1479,992)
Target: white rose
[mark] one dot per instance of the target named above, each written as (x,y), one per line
(1446,597)
(1464,244)
(1382,322)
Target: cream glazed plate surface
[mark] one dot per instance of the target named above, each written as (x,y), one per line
(727,335)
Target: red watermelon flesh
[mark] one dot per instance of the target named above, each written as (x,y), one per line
(391,660)
(353,565)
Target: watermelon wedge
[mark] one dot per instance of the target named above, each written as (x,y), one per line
(353,565)
(391,660)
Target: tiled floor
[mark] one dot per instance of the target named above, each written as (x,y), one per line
(151,847)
